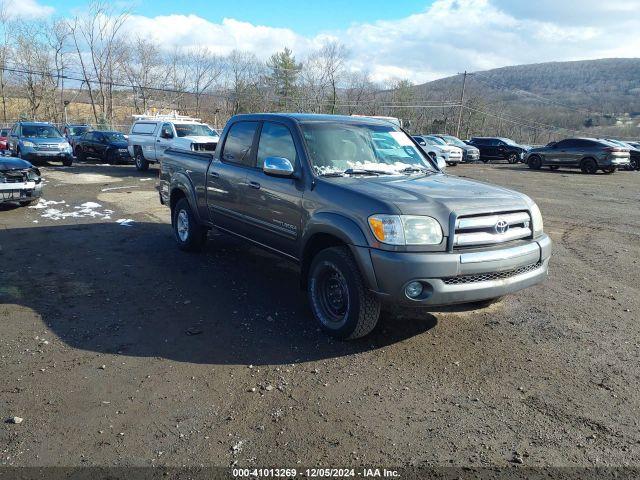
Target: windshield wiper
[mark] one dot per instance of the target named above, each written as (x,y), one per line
(415,169)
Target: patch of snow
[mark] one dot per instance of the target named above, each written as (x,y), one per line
(85,210)
(125,222)
(146,179)
(42,203)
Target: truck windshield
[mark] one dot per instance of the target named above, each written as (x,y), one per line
(195,130)
(337,147)
(40,131)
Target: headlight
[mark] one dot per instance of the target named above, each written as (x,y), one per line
(406,229)
(29,144)
(536,218)
(33,175)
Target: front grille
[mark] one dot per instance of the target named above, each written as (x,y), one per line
(491,229)
(204,147)
(489,276)
(48,147)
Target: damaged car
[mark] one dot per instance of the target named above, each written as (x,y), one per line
(20,181)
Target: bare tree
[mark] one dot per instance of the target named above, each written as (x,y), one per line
(203,70)
(99,47)
(145,70)
(245,76)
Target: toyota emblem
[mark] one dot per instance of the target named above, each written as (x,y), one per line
(501,226)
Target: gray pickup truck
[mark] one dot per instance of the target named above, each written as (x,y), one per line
(362,209)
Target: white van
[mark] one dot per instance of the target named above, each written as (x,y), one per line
(151,135)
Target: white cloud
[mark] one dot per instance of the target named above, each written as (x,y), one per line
(27,9)
(447,37)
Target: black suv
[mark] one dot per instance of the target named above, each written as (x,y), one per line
(498,148)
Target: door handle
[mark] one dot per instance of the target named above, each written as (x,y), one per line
(254,185)
(158,141)
(214,174)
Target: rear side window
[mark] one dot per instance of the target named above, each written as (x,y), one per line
(144,128)
(237,146)
(275,141)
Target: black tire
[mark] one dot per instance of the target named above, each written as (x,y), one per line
(452,164)
(195,236)
(635,164)
(534,162)
(512,158)
(142,165)
(609,170)
(67,161)
(111,158)
(26,203)
(338,296)
(588,166)
(80,155)
(554,167)
(485,160)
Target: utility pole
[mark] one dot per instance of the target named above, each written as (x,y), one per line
(464,83)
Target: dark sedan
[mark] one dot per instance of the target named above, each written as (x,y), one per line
(110,147)
(20,181)
(588,154)
(498,148)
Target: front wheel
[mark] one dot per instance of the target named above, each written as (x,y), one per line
(190,235)
(142,165)
(484,160)
(67,161)
(339,298)
(111,158)
(535,163)
(609,170)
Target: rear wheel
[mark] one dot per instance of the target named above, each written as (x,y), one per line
(142,165)
(589,166)
(190,235)
(534,162)
(339,298)
(512,158)
(635,163)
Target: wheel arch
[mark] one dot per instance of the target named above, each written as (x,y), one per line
(181,188)
(325,230)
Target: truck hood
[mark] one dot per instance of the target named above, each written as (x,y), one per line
(201,139)
(439,195)
(12,163)
(40,140)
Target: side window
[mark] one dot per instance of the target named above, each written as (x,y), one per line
(568,144)
(275,141)
(167,131)
(237,146)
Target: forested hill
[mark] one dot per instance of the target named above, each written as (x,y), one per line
(603,95)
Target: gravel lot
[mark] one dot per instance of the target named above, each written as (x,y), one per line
(118,349)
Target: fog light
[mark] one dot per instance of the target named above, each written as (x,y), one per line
(413,290)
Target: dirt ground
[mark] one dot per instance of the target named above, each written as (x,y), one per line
(118,349)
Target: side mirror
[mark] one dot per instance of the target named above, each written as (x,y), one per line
(278,167)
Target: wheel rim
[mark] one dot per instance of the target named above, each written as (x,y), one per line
(138,161)
(182,225)
(333,296)
(590,166)
(512,158)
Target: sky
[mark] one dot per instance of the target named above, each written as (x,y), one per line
(412,39)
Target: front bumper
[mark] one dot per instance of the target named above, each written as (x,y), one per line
(33,155)
(20,192)
(451,278)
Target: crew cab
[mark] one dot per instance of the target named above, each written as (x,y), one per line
(151,135)
(366,225)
